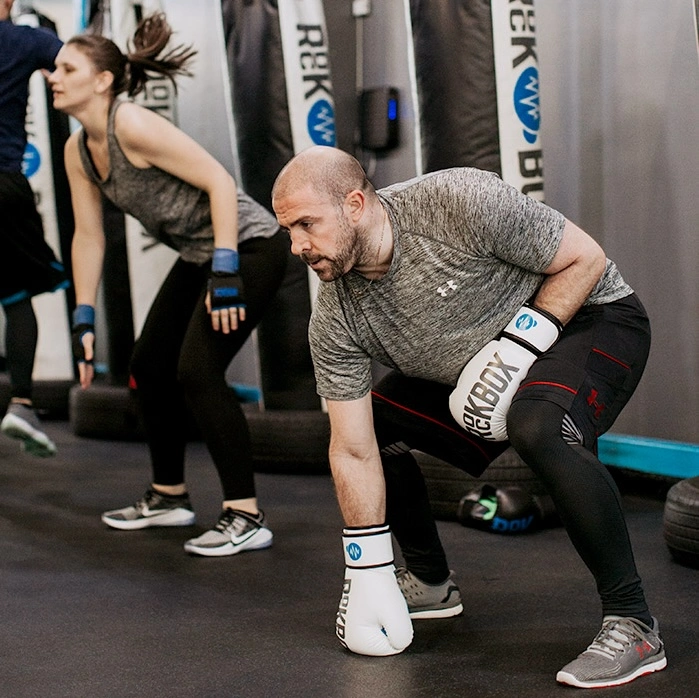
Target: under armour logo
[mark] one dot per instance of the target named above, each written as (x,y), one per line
(451,285)
(592,402)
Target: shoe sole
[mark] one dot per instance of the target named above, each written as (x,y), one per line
(230,548)
(177,517)
(33,441)
(570,680)
(437,612)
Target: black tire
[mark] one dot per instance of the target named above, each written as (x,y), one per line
(681,521)
(283,441)
(290,441)
(50,397)
(105,411)
(447,485)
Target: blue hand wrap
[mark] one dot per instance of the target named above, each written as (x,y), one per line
(225,261)
(84,315)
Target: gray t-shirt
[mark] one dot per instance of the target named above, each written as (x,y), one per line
(469,250)
(171,210)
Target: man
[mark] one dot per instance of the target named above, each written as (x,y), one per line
(476,297)
(28,265)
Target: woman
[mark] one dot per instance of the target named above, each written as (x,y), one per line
(232,259)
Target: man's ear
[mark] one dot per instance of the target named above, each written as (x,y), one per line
(355,203)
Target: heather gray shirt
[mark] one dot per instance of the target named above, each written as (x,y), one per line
(171,210)
(469,250)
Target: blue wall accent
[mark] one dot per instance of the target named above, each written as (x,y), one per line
(656,456)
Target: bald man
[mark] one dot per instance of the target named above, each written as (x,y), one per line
(503,323)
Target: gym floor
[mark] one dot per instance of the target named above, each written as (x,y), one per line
(92,612)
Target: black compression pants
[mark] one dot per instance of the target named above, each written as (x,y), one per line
(179,363)
(570,396)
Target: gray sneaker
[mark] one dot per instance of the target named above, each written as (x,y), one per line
(21,422)
(153,509)
(623,650)
(429,600)
(234,532)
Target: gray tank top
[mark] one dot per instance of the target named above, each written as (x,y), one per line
(171,210)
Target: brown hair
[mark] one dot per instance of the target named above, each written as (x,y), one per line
(133,70)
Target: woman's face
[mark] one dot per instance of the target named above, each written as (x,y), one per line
(75,81)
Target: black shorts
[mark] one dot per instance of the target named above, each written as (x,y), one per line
(28,266)
(591,372)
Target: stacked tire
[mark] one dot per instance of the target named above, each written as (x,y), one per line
(447,485)
(681,521)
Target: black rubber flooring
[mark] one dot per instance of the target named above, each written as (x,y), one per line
(91,612)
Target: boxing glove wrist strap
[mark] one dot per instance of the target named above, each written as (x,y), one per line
(534,329)
(225,261)
(367,547)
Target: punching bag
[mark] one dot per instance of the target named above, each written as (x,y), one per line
(282,103)
(478,87)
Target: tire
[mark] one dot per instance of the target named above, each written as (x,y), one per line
(50,397)
(290,441)
(447,485)
(681,522)
(283,441)
(105,411)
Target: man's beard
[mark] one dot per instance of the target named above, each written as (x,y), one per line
(352,251)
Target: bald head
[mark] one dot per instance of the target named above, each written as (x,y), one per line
(330,172)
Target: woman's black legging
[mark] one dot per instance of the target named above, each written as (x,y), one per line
(179,363)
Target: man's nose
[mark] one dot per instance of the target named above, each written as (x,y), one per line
(299,244)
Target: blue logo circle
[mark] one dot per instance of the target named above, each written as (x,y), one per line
(525,322)
(321,123)
(526,100)
(354,551)
(31,161)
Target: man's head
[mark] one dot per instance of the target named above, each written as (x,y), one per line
(324,200)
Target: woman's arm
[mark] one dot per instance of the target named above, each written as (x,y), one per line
(87,247)
(150,140)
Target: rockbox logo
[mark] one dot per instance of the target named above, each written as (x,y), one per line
(315,73)
(525,322)
(485,395)
(354,551)
(526,100)
(31,161)
(341,618)
(517,78)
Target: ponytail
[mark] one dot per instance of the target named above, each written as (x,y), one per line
(132,71)
(149,41)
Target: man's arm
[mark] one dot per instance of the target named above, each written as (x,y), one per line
(355,462)
(575,269)
(373,617)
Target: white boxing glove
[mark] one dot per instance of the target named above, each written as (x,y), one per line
(373,615)
(489,381)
